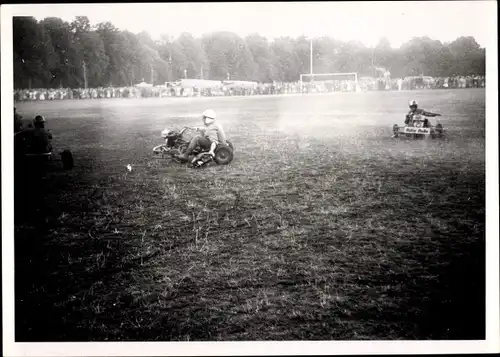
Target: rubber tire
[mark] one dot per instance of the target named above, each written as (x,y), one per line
(223,155)
(439,130)
(67,160)
(395,130)
(158,149)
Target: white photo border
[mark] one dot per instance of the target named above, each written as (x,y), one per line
(11,348)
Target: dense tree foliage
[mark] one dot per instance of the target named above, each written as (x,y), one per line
(53,53)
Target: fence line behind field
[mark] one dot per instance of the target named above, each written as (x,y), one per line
(363,85)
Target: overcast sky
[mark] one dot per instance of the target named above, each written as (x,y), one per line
(366,22)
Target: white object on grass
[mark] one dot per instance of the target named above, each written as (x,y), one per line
(129,167)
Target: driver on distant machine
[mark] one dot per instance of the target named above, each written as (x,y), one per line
(39,139)
(414,110)
(212,134)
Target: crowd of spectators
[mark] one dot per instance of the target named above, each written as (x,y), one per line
(364,84)
(79,93)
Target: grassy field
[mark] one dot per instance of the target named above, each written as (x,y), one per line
(322,228)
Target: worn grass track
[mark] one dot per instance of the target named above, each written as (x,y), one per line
(321,228)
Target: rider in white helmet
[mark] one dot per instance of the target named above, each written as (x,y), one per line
(212,134)
(415,110)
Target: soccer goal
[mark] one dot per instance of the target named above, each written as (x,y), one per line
(329,82)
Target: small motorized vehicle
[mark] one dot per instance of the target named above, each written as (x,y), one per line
(176,142)
(418,127)
(34,151)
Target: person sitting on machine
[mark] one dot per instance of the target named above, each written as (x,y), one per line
(415,110)
(38,139)
(212,134)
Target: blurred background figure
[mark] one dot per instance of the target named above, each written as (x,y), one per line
(18,123)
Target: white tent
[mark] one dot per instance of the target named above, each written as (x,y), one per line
(240,84)
(199,83)
(144,85)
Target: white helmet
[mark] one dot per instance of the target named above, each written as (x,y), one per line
(208,115)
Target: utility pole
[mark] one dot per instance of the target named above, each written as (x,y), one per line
(67,64)
(311,81)
(169,59)
(169,68)
(85,74)
(152,78)
(311,58)
(373,69)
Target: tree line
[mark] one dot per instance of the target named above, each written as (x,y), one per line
(53,53)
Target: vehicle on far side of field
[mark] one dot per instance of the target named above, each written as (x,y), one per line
(418,127)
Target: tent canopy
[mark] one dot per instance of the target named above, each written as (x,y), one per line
(240,84)
(144,85)
(199,83)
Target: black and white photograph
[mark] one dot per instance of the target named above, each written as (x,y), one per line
(250,178)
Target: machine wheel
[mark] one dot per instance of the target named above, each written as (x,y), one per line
(223,155)
(395,130)
(439,130)
(67,159)
(158,149)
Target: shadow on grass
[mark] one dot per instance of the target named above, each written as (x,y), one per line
(39,289)
(456,306)
(444,299)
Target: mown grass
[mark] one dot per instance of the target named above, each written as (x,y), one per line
(321,228)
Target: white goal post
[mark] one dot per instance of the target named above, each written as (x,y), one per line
(331,76)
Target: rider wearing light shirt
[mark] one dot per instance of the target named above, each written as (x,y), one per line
(212,134)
